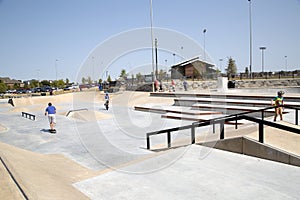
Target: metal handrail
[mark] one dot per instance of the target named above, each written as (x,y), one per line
(28,115)
(232,117)
(81,109)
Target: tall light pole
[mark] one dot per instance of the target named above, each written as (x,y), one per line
(204,31)
(156,60)
(221,60)
(56,71)
(250,40)
(93,77)
(38,77)
(174,58)
(152,41)
(262,58)
(285,63)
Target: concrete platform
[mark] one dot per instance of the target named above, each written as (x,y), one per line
(199,173)
(93,158)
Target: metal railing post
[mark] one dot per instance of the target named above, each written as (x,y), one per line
(193,134)
(296,117)
(236,122)
(169,139)
(261,132)
(148,141)
(222,130)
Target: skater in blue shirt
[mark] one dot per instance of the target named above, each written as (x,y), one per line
(51,111)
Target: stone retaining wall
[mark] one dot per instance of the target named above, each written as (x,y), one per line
(239,84)
(212,85)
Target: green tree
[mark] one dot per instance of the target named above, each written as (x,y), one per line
(34,83)
(89,80)
(247,72)
(61,83)
(123,74)
(231,67)
(16,86)
(139,77)
(108,78)
(45,83)
(67,81)
(3,87)
(161,74)
(83,80)
(100,81)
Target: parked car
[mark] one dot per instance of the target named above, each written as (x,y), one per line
(36,90)
(46,89)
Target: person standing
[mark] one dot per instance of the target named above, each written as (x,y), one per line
(278,102)
(106,100)
(185,85)
(51,111)
(173,85)
(156,85)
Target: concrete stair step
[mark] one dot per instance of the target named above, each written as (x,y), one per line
(188,101)
(174,109)
(191,117)
(264,97)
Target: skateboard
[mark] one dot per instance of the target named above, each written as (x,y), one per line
(52,130)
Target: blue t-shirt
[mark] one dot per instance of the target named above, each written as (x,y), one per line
(51,109)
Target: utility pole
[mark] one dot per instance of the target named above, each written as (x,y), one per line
(156,60)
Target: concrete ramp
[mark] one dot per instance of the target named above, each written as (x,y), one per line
(250,147)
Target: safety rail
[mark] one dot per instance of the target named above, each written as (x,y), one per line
(233,117)
(28,115)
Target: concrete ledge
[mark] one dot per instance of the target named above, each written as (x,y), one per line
(247,146)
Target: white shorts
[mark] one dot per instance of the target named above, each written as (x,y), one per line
(52,118)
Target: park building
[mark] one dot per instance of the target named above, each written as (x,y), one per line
(194,69)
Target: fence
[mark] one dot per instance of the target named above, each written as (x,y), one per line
(235,117)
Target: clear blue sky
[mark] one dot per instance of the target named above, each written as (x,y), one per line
(36,33)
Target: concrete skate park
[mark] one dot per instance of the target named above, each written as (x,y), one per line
(104,154)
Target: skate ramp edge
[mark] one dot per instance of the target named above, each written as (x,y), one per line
(250,147)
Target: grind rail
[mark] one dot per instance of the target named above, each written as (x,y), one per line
(28,116)
(81,109)
(234,117)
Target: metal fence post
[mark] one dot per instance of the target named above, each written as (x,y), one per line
(261,132)
(193,134)
(296,117)
(236,122)
(169,139)
(222,130)
(148,141)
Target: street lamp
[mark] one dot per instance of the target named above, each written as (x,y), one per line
(262,58)
(221,60)
(250,40)
(285,63)
(204,31)
(156,60)
(56,71)
(152,43)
